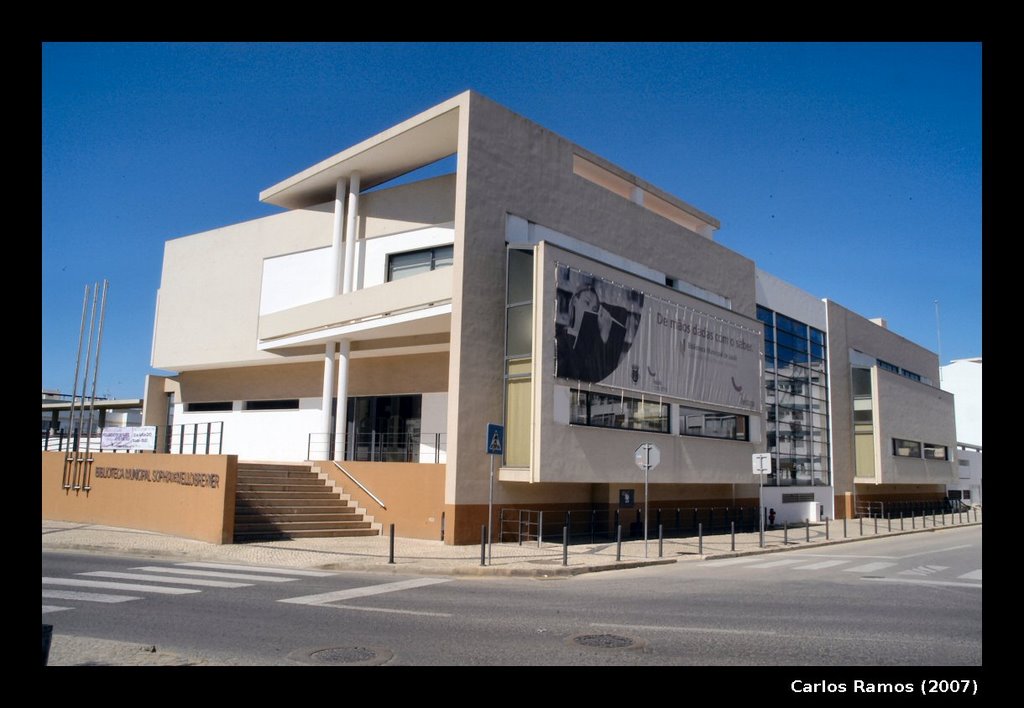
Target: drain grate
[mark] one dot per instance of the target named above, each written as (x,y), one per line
(604,641)
(334,656)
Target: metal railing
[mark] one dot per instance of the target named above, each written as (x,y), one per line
(895,509)
(183,439)
(381,447)
(592,525)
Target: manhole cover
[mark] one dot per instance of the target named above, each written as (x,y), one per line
(344,655)
(335,656)
(604,641)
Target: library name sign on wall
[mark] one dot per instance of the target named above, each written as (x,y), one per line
(185,479)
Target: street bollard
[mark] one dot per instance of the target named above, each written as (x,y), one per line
(519,530)
(913,522)
(844,527)
(861,525)
(391,546)
(700,539)
(889,520)
(483,544)
(975,515)
(901,521)
(943,517)
(732,532)
(933,518)
(876,525)
(618,542)
(807,525)
(785,533)
(540,528)
(826,529)
(961,515)
(661,541)
(565,545)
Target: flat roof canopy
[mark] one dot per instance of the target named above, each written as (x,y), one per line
(421,140)
(105,404)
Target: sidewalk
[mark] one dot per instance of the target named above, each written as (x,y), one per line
(415,556)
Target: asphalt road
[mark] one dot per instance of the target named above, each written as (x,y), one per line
(908,601)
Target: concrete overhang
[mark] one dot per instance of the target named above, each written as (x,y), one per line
(421,140)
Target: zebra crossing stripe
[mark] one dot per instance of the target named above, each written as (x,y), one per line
(162,579)
(777,563)
(365,591)
(973,575)
(732,561)
(86,596)
(868,567)
(260,569)
(821,564)
(53,608)
(75,582)
(215,574)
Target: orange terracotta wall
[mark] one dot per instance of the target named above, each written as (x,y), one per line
(192,496)
(413,494)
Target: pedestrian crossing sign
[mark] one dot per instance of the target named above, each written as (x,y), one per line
(495,439)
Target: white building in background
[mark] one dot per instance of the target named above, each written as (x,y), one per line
(962,378)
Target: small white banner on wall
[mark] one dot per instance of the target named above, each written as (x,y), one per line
(136,438)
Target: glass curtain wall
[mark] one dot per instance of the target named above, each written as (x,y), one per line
(796,400)
(518,357)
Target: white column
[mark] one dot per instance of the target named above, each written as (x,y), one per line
(350,233)
(328,392)
(337,254)
(341,418)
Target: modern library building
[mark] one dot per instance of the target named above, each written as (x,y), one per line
(468,267)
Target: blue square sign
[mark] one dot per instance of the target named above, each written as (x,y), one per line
(495,439)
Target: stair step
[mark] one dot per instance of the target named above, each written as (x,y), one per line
(290,507)
(260,496)
(285,535)
(276,517)
(290,486)
(298,526)
(306,506)
(245,466)
(278,477)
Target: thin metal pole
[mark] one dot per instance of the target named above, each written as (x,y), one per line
(933,518)
(861,525)
(785,533)
(807,527)
(565,545)
(618,542)
(901,521)
(647,499)
(975,514)
(732,533)
(483,544)
(889,519)
(490,510)
(661,541)
(95,375)
(76,484)
(519,531)
(844,527)
(391,546)
(876,524)
(826,529)
(208,438)
(913,522)
(540,527)
(69,458)
(700,539)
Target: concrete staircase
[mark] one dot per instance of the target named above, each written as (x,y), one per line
(281,501)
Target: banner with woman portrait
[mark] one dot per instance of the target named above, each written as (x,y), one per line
(616,335)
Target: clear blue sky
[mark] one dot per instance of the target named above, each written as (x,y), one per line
(850,170)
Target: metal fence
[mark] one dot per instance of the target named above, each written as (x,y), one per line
(382,447)
(894,510)
(183,439)
(592,525)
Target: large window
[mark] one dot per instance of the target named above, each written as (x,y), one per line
(384,428)
(796,400)
(712,424)
(405,265)
(609,410)
(906,448)
(518,357)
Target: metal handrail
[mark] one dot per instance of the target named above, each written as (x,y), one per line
(361,485)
